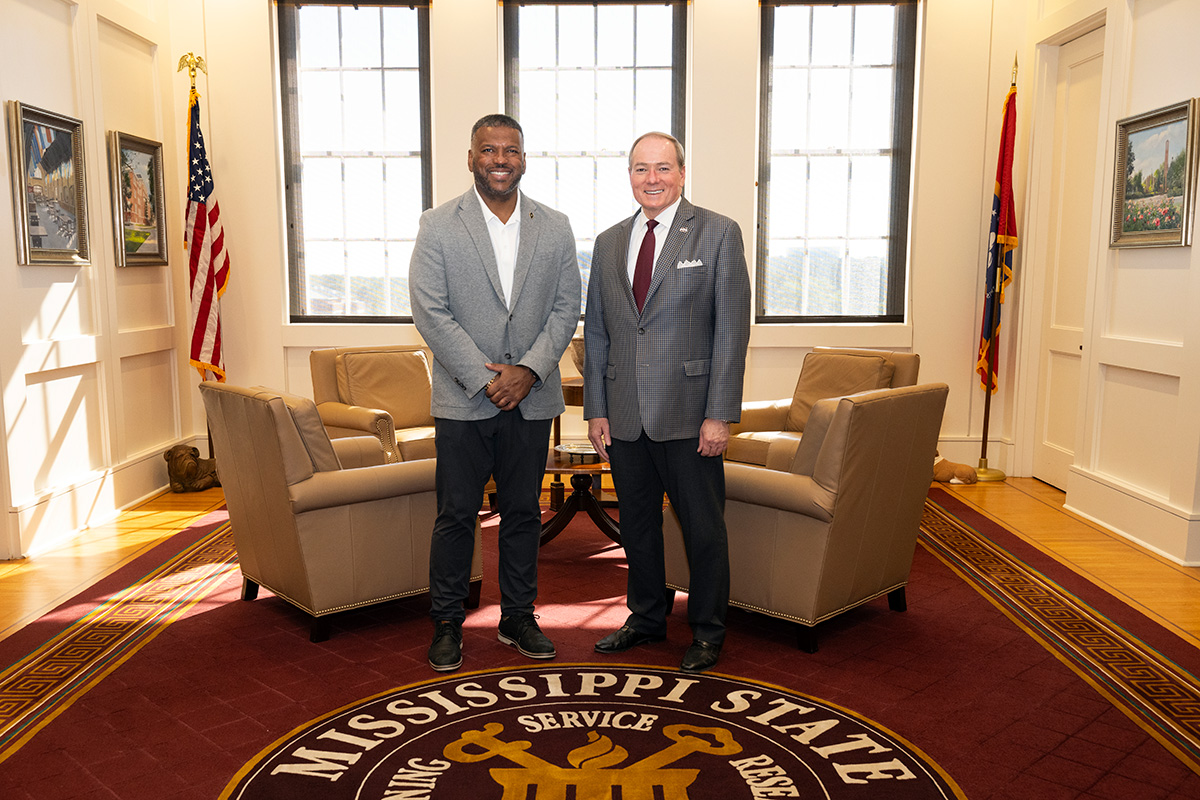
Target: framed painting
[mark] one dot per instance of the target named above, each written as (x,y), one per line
(49,190)
(1154,184)
(136,177)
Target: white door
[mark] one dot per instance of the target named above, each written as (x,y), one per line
(1073,177)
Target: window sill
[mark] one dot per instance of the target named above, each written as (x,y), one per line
(891,336)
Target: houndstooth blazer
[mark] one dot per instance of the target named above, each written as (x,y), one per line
(683,359)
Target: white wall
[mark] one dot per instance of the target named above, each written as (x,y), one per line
(93,359)
(1136,466)
(88,354)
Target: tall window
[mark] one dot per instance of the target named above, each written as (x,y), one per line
(585,80)
(356,143)
(834,172)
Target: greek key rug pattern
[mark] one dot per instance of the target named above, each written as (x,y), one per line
(46,682)
(1156,694)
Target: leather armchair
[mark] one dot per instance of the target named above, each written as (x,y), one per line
(838,525)
(376,391)
(770,430)
(318,532)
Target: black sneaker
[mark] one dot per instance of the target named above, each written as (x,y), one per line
(523,633)
(445,654)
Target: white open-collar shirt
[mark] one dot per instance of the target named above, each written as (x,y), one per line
(664,220)
(506,238)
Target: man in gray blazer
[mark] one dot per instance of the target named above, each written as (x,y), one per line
(495,291)
(667,326)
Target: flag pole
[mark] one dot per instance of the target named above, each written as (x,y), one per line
(983,472)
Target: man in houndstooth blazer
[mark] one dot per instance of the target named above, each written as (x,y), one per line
(661,385)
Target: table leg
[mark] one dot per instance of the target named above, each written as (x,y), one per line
(557,490)
(581,499)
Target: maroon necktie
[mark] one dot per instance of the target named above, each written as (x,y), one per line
(645,266)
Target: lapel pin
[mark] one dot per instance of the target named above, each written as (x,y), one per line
(683,230)
(531,215)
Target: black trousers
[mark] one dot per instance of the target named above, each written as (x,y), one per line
(513,450)
(642,470)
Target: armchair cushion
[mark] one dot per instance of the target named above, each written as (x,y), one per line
(833,375)
(394,381)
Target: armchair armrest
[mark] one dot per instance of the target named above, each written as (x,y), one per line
(786,491)
(359,451)
(762,415)
(362,485)
(370,421)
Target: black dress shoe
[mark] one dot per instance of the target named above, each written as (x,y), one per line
(624,638)
(700,656)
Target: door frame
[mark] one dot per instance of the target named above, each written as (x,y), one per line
(1035,240)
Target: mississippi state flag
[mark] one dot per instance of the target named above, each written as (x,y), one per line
(208,261)
(1002,238)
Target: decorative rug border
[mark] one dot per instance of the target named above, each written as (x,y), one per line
(46,682)
(1159,696)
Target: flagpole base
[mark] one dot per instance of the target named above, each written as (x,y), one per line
(984,473)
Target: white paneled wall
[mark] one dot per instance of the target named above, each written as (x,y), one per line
(89,355)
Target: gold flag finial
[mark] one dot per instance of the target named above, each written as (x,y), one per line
(192,62)
(1014,77)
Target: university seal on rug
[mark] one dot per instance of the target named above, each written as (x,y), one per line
(590,732)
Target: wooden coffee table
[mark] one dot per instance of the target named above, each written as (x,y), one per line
(584,480)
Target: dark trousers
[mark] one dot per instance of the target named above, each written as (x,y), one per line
(513,450)
(642,470)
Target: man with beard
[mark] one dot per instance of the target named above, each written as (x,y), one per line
(495,290)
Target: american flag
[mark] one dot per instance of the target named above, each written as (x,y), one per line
(208,260)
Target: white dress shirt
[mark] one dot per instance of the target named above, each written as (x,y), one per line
(506,238)
(664,220)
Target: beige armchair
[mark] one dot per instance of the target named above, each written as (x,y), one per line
(309,523)
(376,391)
(770,431)
(838,525)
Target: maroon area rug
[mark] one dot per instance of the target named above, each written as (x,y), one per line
(954,678)
(591,732)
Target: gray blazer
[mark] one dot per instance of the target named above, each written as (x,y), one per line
(682,359)
(458,305)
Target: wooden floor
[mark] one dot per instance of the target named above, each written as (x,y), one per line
(1155,585)
(30,587)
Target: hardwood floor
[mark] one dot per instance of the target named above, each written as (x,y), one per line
(30,587)
(1154,585)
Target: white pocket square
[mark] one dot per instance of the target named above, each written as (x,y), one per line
(686,264)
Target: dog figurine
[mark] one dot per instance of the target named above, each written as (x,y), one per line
(188,472)
(951,472)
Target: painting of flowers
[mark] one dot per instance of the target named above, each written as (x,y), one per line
(1154,178)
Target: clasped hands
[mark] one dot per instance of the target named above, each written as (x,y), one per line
(509,386)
